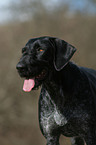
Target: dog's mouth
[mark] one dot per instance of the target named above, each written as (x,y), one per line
(34,82)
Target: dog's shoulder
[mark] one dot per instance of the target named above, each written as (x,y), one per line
(84,71)
(90,73)
(91,76)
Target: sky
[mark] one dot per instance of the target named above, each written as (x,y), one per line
(4,13)
(80,5)
(4,2)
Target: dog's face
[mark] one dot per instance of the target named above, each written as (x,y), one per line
(39,57)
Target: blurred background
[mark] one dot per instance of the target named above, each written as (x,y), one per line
(20,20)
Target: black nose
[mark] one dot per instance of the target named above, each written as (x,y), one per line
(19,66)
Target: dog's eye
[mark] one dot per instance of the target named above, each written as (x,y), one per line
(40,49)
(24,49)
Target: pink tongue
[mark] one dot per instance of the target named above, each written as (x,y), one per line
(28,85)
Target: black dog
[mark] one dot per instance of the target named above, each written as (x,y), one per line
(67,103)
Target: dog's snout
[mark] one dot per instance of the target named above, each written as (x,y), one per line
(19,66)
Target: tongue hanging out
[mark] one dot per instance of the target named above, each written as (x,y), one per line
(28,85)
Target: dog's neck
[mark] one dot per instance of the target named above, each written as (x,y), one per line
(60,84)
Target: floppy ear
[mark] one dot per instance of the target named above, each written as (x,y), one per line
(63,52)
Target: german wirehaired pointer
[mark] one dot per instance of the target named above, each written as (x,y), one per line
(67,103)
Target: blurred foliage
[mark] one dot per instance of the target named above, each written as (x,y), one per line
(18,110)
(94,1)
(22,9)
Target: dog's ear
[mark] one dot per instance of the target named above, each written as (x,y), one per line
(63,52)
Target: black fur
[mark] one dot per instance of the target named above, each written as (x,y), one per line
(67,103)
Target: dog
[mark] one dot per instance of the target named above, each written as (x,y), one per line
(67,102)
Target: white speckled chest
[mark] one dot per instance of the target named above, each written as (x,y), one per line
(52,120)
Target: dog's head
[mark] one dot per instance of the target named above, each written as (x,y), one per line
(40,56)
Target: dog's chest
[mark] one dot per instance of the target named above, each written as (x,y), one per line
(51,121)
(50,117)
